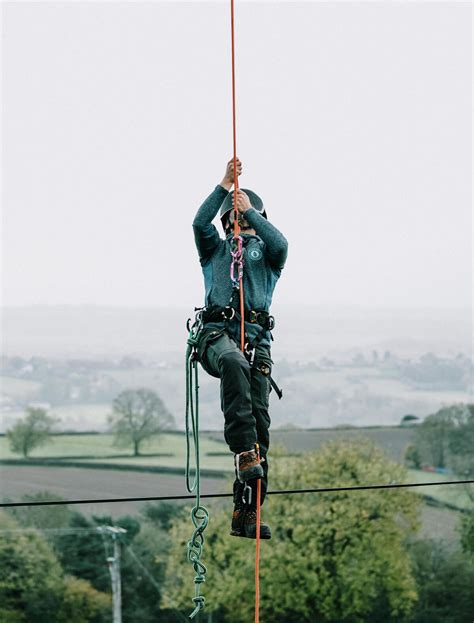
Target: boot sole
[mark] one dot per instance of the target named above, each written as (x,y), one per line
(252,472)
(264,536)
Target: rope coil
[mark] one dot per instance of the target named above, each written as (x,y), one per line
(199,514)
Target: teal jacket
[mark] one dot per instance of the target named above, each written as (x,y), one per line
(264,258)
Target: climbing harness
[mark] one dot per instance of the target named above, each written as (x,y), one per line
(199,514)
(217,314)
(230,313)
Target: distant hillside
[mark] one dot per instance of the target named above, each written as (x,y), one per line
(300,333)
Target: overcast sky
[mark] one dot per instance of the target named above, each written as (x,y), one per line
(354,125)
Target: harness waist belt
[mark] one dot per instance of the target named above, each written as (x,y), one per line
(217,314)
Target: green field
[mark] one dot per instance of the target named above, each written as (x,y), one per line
(455,495)
(168,450)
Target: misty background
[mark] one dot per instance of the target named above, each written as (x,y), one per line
(353,124)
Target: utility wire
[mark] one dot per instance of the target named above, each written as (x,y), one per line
(143,568)
(151,579)
(229,495)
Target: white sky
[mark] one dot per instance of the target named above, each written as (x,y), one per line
(354,125)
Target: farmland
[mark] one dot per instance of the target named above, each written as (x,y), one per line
(76,483)
(167,453)
(89,484)
(167,450)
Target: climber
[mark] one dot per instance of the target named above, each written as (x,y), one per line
(245,376)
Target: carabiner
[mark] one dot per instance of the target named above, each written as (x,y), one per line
(248,489)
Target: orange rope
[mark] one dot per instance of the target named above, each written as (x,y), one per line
(236,180)
(257,547)
(242,319)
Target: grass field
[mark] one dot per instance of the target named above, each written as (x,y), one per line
(455,495)
(166,450)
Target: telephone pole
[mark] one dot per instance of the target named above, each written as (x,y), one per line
(114,569)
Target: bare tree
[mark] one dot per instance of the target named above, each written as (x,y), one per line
(138,414)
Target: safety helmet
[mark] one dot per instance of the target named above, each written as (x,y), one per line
(227,204)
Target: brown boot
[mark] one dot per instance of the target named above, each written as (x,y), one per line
(237,520)
(247,465)
(244,523)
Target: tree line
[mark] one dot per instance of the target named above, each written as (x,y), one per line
(334,557)
(445,440)
(137,415)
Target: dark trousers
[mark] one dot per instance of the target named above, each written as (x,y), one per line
(245,391)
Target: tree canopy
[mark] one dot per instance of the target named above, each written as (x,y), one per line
(30,432)
(446,438)
(335,556)
(137,415)
(33,586)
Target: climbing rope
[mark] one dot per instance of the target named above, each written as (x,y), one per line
(199,514)
(237,237)
(238,251)
(257,546)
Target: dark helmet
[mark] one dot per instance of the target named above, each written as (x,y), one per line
(227,205)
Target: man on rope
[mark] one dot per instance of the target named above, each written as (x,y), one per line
(245,376)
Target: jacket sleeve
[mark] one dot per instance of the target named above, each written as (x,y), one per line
(206,235)
(276,245)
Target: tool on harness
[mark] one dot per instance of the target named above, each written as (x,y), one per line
(247,494)
(265,370)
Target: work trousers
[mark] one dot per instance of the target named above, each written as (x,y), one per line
(244,391)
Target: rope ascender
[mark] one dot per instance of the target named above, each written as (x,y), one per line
(199,514)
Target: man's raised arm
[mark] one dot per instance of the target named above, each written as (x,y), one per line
(206,235)
(275,242)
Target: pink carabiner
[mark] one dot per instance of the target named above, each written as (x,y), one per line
(237,260)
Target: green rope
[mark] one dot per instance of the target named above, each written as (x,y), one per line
(199,514)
